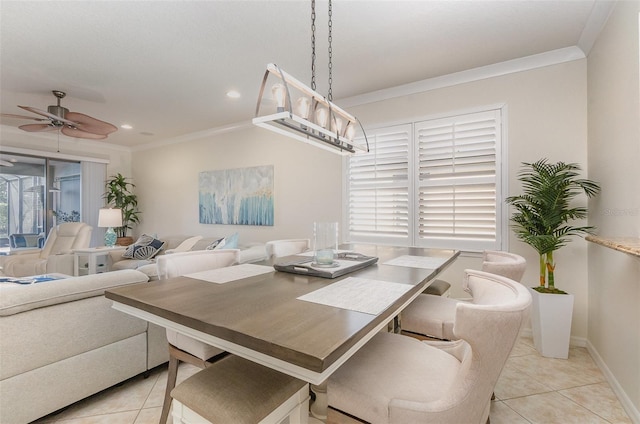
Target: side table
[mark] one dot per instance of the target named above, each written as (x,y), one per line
(92,254)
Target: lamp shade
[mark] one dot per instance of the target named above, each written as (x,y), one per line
(110,218)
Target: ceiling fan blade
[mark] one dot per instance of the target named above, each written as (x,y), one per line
(47,114)
(74,132)
(91,125)
(11,115)
(37,127)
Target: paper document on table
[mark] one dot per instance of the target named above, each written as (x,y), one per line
(424,262)
(231,273)
(358,294)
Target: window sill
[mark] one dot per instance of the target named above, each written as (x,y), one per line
(630,245)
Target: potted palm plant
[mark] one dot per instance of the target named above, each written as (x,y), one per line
(543,219)
(119,195)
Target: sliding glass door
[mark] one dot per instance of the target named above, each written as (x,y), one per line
(35,194)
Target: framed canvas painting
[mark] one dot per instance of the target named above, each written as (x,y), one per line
(242,196)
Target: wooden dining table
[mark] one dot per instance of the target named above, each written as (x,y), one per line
(262,318)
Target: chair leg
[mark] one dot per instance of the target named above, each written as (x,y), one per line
(171,383)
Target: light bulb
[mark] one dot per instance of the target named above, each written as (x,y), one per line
(278,92)
(350,132)
(303,107)
(321,117)
(337,126)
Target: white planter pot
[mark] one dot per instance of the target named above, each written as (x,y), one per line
(551,323)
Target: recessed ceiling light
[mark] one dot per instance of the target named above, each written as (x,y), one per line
(126,126)
(233,94)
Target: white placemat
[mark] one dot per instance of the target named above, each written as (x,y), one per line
(358,294)
(231,273)
(424,262)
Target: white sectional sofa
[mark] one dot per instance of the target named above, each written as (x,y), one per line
(61,341)
(251,252)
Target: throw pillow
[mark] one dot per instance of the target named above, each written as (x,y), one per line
(216,244)
(230,242)
(186,245)
(146,247)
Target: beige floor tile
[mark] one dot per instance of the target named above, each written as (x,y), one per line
(523,347)
(599,399)
(127,417)
(552,408)
(514,383)
(156,397)
(130,396)
(150,416)
(557,374)
(501,414)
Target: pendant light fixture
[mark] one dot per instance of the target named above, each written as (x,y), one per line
(301,113)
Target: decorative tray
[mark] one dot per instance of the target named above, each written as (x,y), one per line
(344,263)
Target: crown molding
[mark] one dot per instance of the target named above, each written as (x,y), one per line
(597,19)
(195,135)
(527,63)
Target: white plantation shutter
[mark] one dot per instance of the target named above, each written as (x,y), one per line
(433,183)
(457,181)
(378,187)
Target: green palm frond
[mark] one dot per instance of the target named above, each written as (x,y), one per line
(543,211)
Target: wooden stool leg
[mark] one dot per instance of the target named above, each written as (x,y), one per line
(171,383)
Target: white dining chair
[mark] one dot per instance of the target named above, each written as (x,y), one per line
(183,348)
(279,248)
(434,316)
(402,380)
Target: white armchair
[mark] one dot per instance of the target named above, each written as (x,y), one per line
(55,256)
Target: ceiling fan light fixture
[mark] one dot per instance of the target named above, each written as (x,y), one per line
(72,124)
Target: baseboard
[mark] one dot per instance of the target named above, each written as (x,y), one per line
(626,403)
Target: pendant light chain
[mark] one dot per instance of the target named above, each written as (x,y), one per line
(313,45)
(330,95)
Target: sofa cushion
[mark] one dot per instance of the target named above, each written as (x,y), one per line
(16,298)
(131,264)
(146,247)
(185,246)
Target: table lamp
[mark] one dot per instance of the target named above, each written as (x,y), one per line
(110,218)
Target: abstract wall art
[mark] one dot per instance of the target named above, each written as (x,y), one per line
(242,196)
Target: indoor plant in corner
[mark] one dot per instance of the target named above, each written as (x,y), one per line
(118,194)
(543,219)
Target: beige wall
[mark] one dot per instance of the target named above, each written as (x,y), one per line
(307,184)
(546,117)
(614,159)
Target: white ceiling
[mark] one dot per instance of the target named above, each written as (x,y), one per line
(164,66)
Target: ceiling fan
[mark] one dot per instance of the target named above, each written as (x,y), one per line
(72,124)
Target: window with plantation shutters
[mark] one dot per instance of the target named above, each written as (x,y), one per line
(457,178)
(378,200)
(432,183)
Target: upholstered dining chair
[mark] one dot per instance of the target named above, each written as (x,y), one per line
(56,254)
(278,248)
(433,316)
(181,347)
(435,381)
(236,390)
